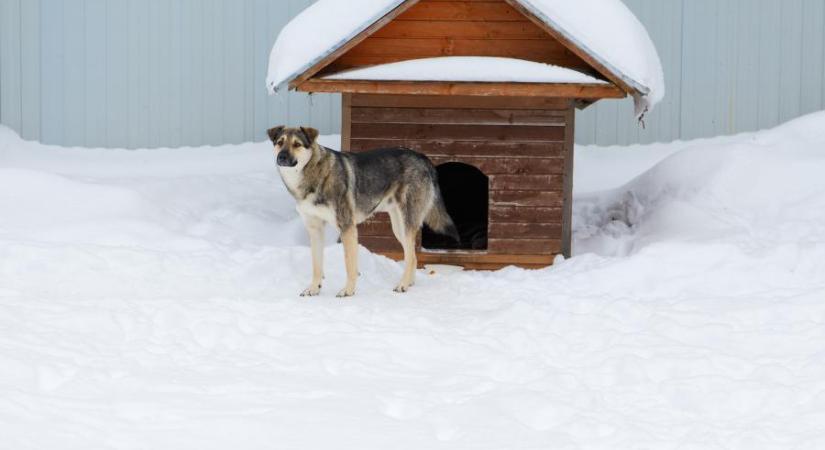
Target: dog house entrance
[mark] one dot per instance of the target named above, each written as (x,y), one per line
(466,192)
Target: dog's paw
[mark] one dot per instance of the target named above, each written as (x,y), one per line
(401,288)
(311,291)
(346,292)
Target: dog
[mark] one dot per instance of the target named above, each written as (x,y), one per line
(345,189)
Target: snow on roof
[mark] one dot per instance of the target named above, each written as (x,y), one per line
(606,29)
(319,31)
(468,68)
(609,32)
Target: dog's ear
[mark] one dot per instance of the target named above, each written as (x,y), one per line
(311,134)
(275,133)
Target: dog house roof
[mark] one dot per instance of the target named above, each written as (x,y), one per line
(606,31)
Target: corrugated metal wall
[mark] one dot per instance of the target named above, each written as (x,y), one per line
(148,73)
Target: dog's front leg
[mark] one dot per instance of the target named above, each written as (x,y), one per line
(349,237)
(315,227)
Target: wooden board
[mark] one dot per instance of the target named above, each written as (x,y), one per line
(460,102)
(479,261)
(561,90)
(522,145)
(458,28)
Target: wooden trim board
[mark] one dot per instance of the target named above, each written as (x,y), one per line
(558,90)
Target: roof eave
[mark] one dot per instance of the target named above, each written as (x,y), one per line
(612,73)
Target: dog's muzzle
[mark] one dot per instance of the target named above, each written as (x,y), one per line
(286,160)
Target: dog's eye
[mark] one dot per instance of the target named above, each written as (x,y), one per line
(281,143)
(297,145)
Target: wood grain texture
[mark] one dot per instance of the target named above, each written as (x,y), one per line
(558,90)
(479,261)
(464,148)
(445,116)
(526,214)
(459,102)
(457,132)
(455,28)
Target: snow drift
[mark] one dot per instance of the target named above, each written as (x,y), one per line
(148,300)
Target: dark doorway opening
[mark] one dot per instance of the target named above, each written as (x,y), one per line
(466,192)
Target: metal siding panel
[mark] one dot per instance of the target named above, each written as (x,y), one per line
(193,119)
(790,78)
(335,114)
(234,113)
(175,84)
(699,68)
(607,113)
(213,73)
(10,77)
(586,126)
(117,73)
(262,31)
(74,74)
(138,74)
(770,21)
(51,64)
(724,70)
(250,71)
(30,69)
(298,103)
(278,104)
(813,56)
(158,43)
(666,24)
(95,83)
(746,88)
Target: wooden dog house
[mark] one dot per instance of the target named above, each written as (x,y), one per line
(504,149)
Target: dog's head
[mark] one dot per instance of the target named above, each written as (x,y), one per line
(293,146)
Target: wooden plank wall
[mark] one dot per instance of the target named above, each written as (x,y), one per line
(521,144)
(435,28)
(190,72)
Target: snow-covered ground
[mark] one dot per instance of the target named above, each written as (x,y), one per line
(148,301)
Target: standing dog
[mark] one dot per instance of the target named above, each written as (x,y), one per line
(345,189)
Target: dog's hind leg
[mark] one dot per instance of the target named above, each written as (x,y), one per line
(315,228)
(350,239)
(406,237)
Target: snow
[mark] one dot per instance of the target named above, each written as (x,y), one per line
(319,31)
(468,68)
(611,33)
(148,299)
(605,29)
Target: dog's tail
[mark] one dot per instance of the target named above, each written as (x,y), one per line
(439,220)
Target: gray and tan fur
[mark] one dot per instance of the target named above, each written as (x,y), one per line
(345,189)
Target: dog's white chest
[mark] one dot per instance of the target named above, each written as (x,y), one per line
(308,208)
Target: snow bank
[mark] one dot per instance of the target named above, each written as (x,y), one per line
(606,29)
(148,300)
(468,68)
